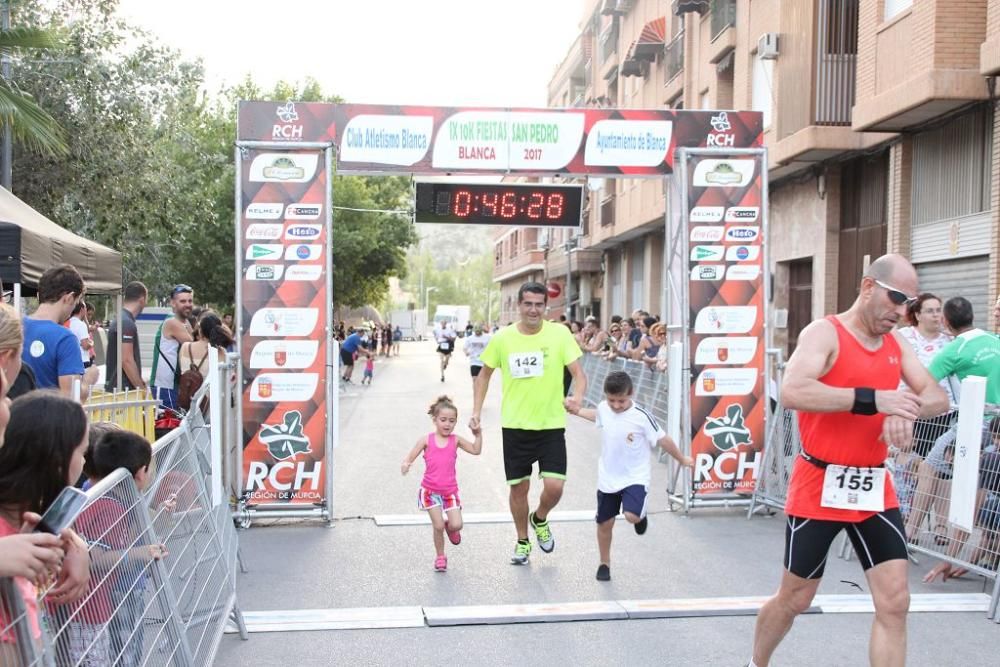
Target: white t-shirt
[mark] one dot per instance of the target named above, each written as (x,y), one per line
(626,438)
(82,333)
(474,346)
(445,339)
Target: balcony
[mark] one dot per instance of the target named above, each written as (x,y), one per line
(609,51)
(723,16)
(919,70)
(524,261)
(836,62)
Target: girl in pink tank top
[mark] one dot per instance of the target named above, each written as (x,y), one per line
(438,493)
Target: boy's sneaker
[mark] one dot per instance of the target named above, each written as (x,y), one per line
(603,573)
(441,564)
(521,553)
(454,536)
(543,534)
(640,526)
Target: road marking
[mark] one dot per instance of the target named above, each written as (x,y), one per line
(421,519)
(373,618)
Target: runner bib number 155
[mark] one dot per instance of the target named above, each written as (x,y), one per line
(526,364)
(851,488)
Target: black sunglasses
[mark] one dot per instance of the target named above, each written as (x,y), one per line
(896,296)
(181,289)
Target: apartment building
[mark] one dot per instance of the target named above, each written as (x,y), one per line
(880,126)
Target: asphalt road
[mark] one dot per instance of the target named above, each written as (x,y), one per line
(295,565)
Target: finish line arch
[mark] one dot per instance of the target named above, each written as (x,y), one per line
(715,224)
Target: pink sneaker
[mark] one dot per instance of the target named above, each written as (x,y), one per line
(441,563)
(454,536)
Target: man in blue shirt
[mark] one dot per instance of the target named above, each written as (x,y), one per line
(52,350)
(351,345)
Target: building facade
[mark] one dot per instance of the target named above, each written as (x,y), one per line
(881,128)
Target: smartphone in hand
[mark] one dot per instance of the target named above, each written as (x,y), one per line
(63,511)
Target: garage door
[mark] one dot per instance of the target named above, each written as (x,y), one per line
(960,277)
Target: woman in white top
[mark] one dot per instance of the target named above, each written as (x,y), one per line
(213,334)
(927,336)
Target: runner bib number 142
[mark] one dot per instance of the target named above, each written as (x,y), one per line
(525,364)
(851,488)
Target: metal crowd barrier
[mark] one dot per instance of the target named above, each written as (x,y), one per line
(163,565)
(133,410)
(649,384)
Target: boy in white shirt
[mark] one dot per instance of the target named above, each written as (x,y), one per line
(628,432)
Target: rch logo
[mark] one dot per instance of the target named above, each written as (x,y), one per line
(287,114)
(721,125)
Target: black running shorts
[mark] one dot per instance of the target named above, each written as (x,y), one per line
(475,370)
(522,448)
(877,539)
(346,358)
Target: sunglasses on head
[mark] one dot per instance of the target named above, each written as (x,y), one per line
(181,289)
(896,296)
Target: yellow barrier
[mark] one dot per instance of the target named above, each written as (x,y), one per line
(133,410)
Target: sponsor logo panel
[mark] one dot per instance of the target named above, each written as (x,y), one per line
(290,354)
(744,214)
(743,272)
(726,381)
(284,387)
(263,252)
(742,234)
(287,439)
(284,167)
(723,173)
(304,272)
(707,234)
(265,271)
(303,211)
(735,350)
(304,252)
(725,320)
(707,253)
(708,272)
(262,211)
(265,231)
(707,213)
(303,232)
(742,253)
(284,321)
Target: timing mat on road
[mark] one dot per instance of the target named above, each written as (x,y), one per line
(374,618)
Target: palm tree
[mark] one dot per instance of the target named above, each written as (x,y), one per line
(28,123)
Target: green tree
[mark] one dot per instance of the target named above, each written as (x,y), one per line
(29,124)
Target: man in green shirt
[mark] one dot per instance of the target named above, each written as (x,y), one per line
(531,356)
(973,352)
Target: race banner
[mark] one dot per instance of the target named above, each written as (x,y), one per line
(453,140)
(726,282)
(283,227)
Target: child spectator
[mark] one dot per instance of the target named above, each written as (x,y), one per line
(369,370)
(120,559)
(627,434)
(438,493)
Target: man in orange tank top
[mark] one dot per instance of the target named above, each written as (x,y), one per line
(843,379)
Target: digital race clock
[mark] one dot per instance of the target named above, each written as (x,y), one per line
(521,204)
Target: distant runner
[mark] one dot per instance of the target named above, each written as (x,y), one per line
(445,339)
(473,348)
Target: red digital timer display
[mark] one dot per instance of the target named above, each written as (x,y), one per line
(529,205)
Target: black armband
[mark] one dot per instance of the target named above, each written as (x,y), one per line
(864,401)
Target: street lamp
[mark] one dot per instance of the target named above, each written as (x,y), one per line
(427,297)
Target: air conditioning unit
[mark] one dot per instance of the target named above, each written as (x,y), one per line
(767,46)
(543,238)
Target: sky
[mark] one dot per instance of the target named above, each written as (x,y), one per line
(428,52)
